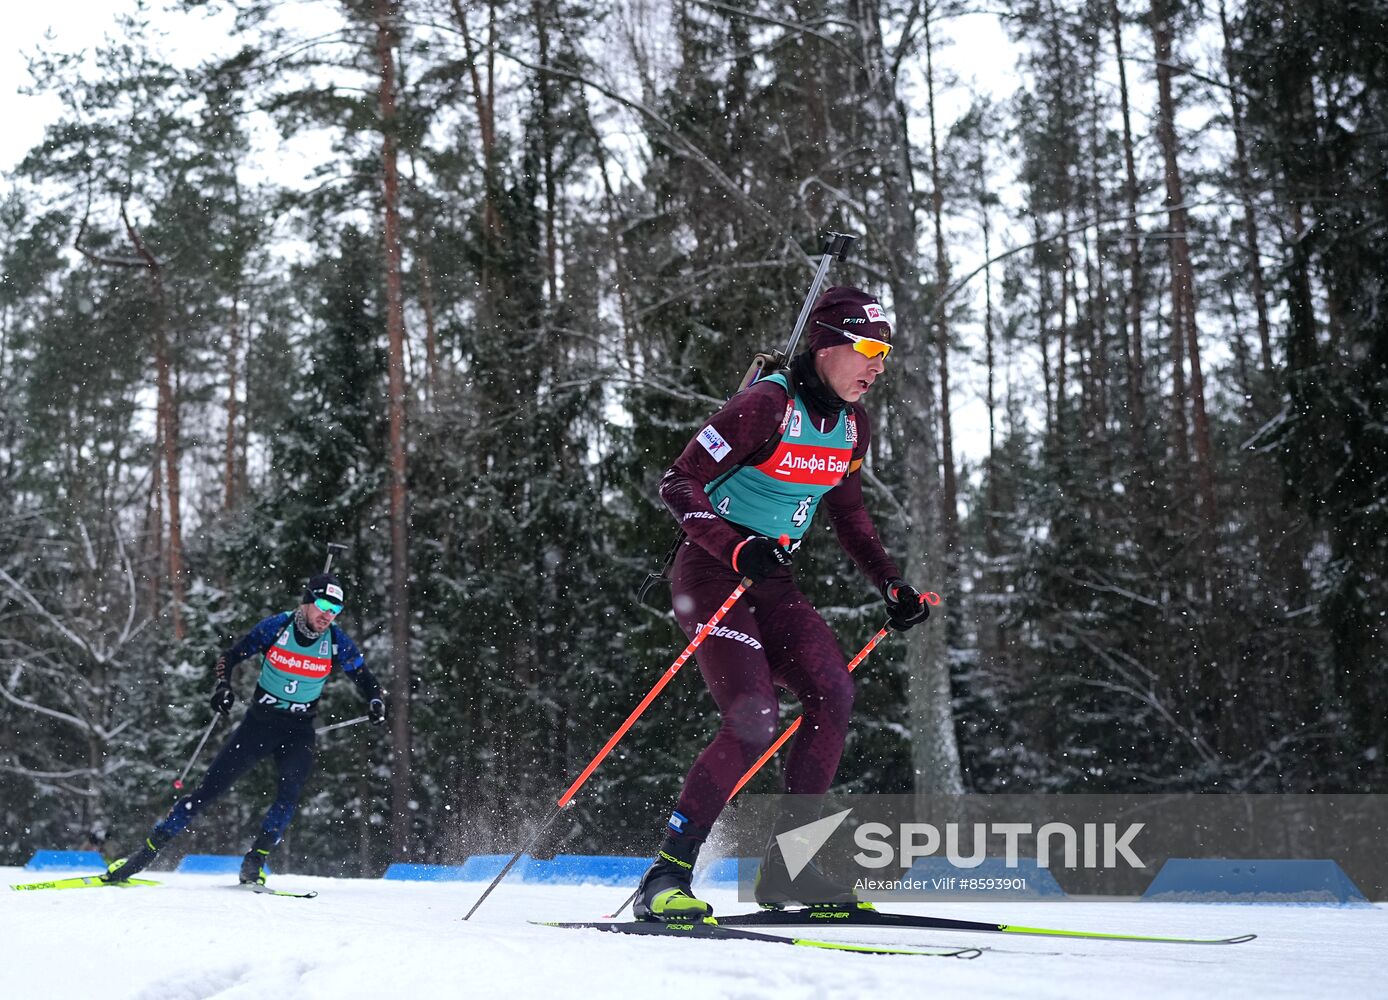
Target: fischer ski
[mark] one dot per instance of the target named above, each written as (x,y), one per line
(867,916)
(86,882)
(267,891)
(711,930)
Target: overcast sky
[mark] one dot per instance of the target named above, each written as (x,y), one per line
(69,26)
(980,55)
(974,48)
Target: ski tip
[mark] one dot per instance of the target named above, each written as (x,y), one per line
(1132,938)
(266,891)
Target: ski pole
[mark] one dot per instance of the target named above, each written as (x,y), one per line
(564,800)
(338,725)
(930,598)
(178,782)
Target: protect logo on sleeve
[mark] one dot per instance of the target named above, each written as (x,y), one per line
(713,443)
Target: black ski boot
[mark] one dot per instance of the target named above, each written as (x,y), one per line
(132,864)
(775,889)
(253,870)
(665,892)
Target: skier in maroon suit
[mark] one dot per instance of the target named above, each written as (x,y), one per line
(758,471)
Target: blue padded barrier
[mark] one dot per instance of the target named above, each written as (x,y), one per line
(1275,880)
(1040,883)
(484,867)
(407,872)
(211,864)
(723,871)
(587,869)
(64,860)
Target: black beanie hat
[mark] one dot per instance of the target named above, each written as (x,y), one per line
(323,585)
(846,309)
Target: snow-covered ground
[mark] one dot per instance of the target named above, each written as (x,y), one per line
(194,936)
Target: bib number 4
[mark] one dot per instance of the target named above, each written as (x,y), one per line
(802,513)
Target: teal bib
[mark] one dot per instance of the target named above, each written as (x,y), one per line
(294,673)
(779,496)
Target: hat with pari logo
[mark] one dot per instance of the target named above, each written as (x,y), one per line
(843,310)
(324,586)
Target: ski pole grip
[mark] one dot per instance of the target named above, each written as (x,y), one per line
(929,597)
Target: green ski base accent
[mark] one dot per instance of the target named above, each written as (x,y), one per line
(709,929)
(86,882)
(267,891)
(864,915)
(1094,935)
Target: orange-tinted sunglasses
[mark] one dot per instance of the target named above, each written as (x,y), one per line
(866,346)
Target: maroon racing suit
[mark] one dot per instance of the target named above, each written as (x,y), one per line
(772,636)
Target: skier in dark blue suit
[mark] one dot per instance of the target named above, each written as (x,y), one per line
(298,650)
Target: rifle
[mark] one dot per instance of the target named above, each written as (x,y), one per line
(836,247)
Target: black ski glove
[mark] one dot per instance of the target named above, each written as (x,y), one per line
(905,606)
(223,697)
(376,711)
(758,557)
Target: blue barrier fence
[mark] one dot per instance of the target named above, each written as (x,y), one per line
(1180,879)
(405,872)
(562,869)
(212,864)
(1269,880)
(586,869)
(478,868)
(484,867)
(45,861)
(723,871)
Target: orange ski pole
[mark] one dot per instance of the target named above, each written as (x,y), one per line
(565,799)
(930,598)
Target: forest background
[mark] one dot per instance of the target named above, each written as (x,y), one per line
(453,282)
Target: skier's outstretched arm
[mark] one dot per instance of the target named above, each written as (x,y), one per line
(255,642)
(353,664)
(852,523)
